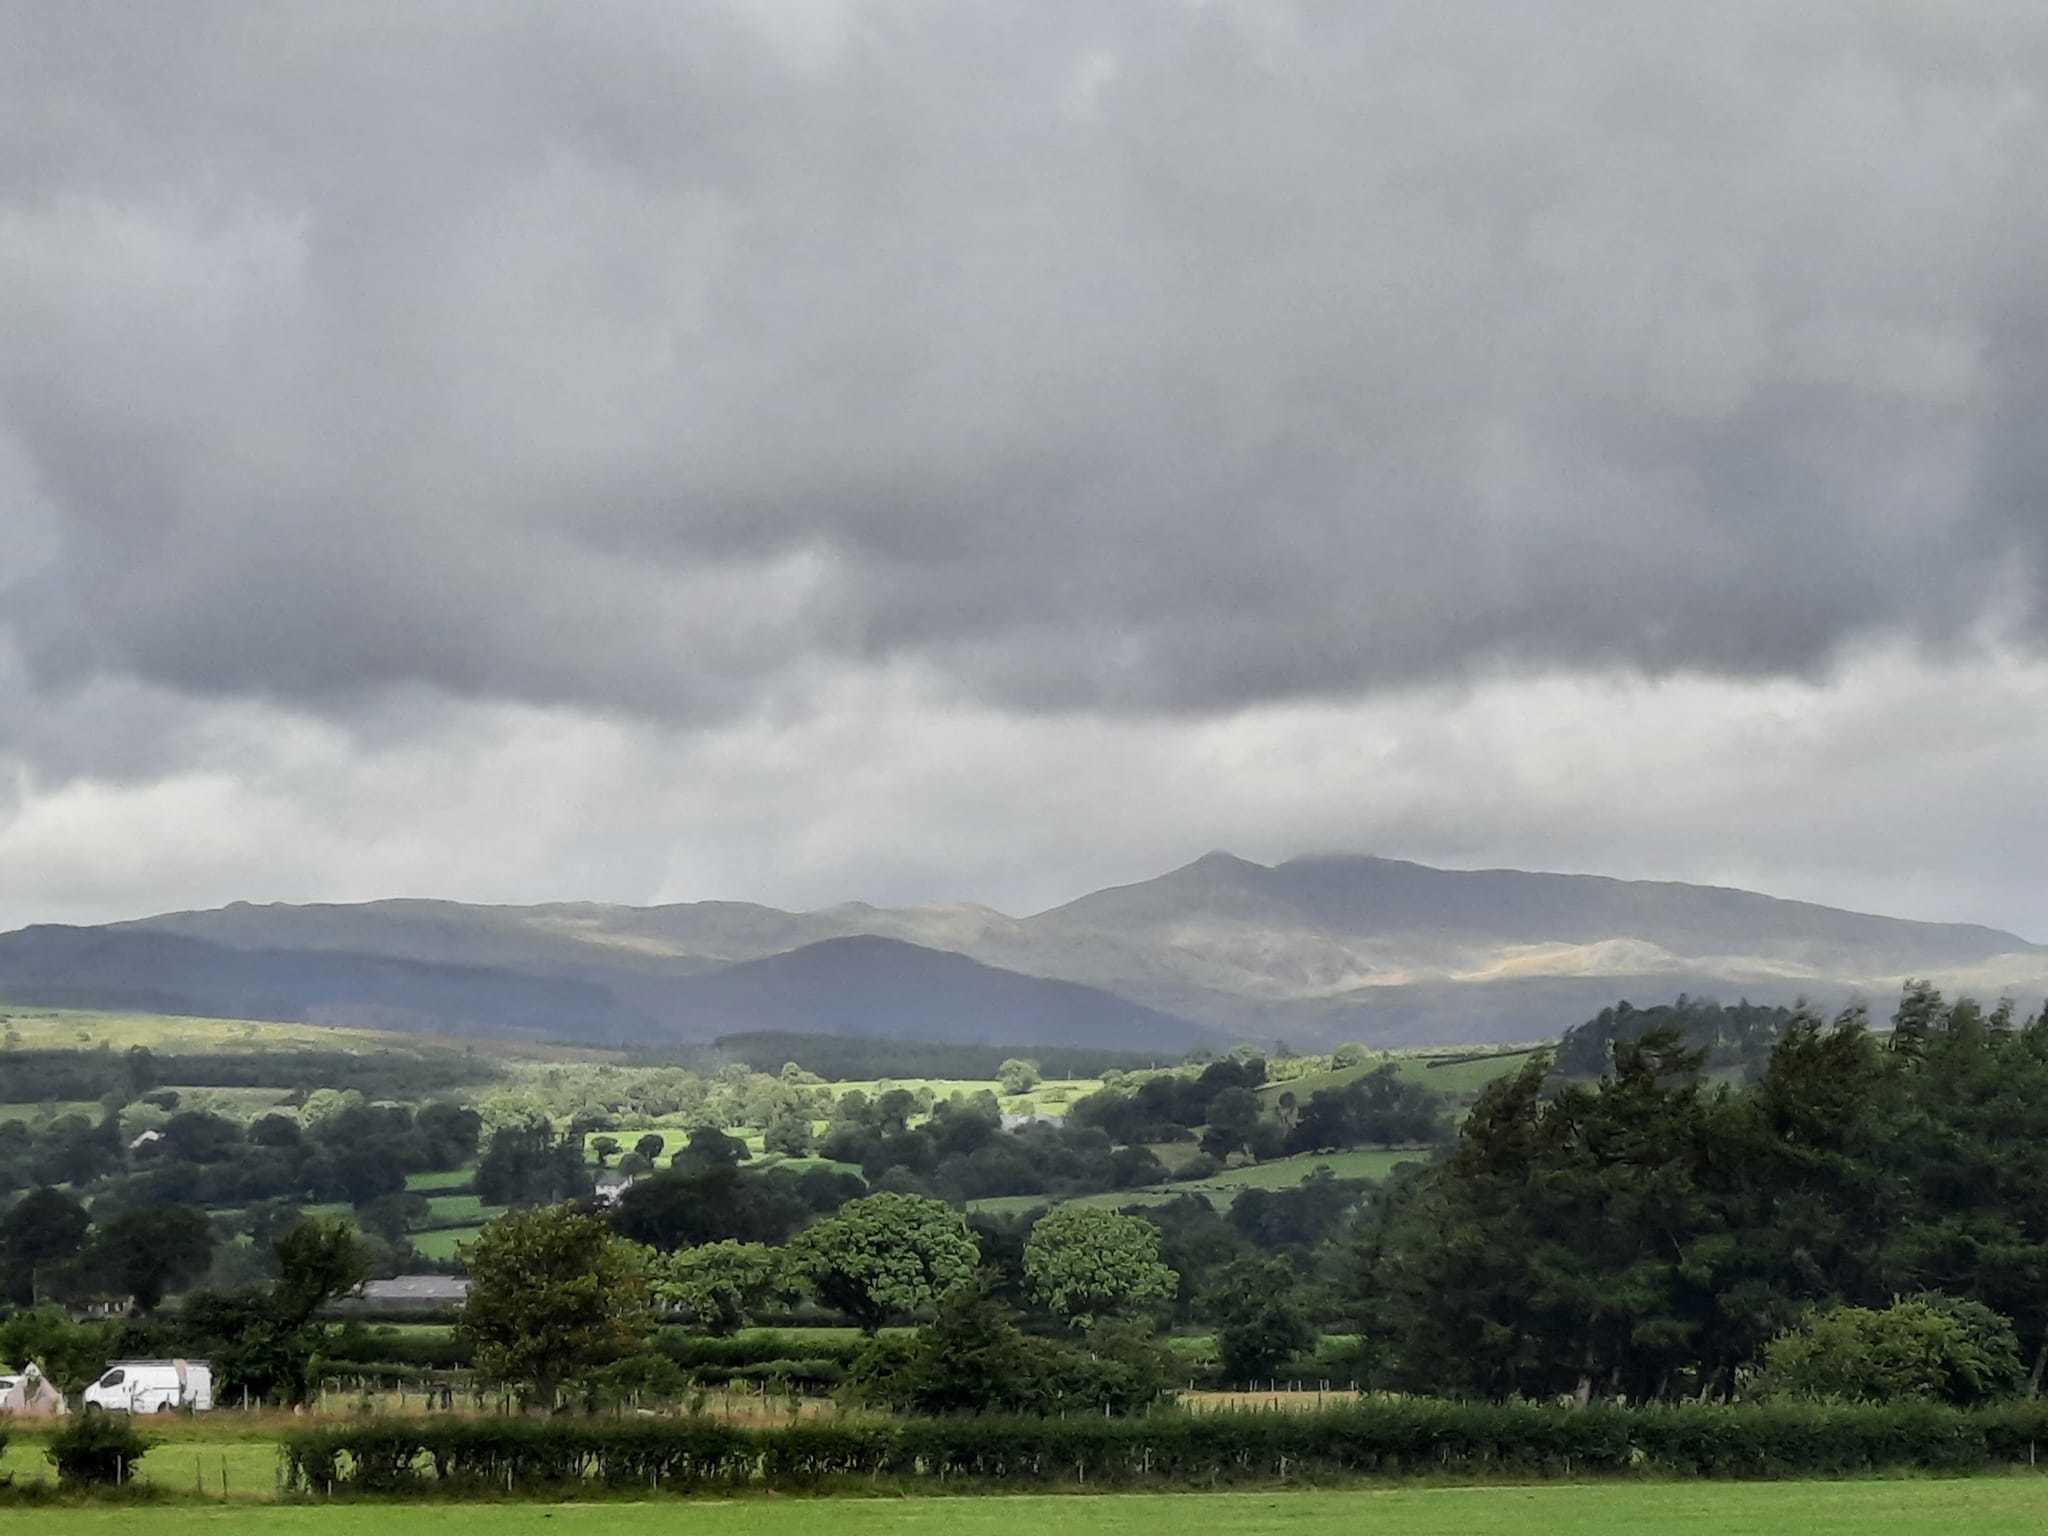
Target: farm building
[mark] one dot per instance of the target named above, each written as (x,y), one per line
(423,1293)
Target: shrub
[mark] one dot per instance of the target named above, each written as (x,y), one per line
(97,1449)
(1382,1437)
(1934,1347)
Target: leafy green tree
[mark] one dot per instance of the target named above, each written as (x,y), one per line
(71,1352)
(1233,1116)
(390,1217)
(604,1147)
(788,1132)
(708,1148)
(971,1358)
(45,1228)
(146,1252)
(718,1287)
(552,1293)
(1349,1054)
(1262,1320)
(1937,1347)
(1083,1264)
(884,1255)
(317,1260)
(527,1164)
(263,1342)
(1018,1075)
(649,1146)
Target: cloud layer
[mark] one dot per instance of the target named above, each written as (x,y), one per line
(823,450)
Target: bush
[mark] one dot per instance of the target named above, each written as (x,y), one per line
(1378,1438)
(1934,1347)
(97,1449)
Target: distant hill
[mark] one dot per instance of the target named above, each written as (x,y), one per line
(1315,950)
(165,973)
(884,988)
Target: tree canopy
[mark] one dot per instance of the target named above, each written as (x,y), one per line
(1084,1264)
(552,1291)
(885,1255)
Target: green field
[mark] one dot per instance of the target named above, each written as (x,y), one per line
(452,1181)
(1992,1506)
(177,1464)
(49,1109)
(441,1244)
(169,1034)
(461,1210)
(172,1034)
(1286,1172)
(1280,1173)
(1441,1070)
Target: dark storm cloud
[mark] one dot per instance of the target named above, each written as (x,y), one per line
(1186,356)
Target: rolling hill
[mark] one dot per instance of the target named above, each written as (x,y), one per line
(1315,949)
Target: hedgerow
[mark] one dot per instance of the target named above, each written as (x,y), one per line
(1391,1438)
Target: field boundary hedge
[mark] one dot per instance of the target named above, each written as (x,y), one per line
(1397,1438)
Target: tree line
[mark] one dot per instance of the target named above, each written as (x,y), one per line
(1651,1234)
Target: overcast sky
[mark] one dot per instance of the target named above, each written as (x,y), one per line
(984,451)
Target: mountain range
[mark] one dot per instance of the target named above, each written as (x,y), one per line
(1313,950)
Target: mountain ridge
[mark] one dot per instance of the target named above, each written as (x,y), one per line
(1317,947)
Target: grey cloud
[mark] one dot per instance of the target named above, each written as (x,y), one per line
(1184,357)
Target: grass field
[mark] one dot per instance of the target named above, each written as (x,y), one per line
(1438,1069)
(1280,1173)
(171,1034)
(461,1210)
(1112,1200)
(179,1464)
(452,1181)
(1286,1172)
(177,1034)
(1990,1506)
(441,1244)
(48,1110)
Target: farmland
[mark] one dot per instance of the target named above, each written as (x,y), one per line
(1224,1187)
(1986,1506)
(516,1082)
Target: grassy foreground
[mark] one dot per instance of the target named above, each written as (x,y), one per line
(1987,1506)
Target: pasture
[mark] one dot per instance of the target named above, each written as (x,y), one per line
(73,1029)
(1460,1073)
(182,1463)
(441,1242)
(1985,1506)
(1222,1188)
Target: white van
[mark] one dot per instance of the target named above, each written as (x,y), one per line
(153,1386)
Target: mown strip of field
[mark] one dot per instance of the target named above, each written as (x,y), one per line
(1985,1506)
